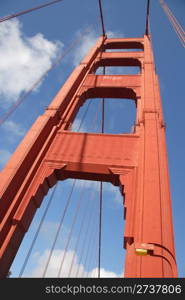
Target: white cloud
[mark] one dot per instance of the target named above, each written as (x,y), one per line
(4,156)
(87,42)
(53,268)
(39,259)
(115,34)
(104,273)
(48,231)
(23,59)
(113,191)
(14,129)
(54,264)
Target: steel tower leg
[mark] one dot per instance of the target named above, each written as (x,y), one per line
(137,161)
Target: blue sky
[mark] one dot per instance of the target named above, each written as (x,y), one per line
(28,47)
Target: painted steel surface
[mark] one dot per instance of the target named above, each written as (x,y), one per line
(137,161)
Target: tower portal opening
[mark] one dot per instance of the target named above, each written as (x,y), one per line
(120,115)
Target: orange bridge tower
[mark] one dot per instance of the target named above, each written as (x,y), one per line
(136,162)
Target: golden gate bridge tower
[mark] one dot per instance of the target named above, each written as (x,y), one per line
(136,162)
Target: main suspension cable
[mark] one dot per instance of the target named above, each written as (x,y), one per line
(177,27)
(175,24)
(23,12)
(15,105)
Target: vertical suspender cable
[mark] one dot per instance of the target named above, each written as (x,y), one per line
(87,233)
(101,17)
(37,232)
(66,207)
(78,240)
(100,228)
(101,190)
(103,110)
(147,18)
(58,229)
(85,217)
(89,253)
(71,230)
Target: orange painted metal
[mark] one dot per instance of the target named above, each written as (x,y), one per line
(137,161)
